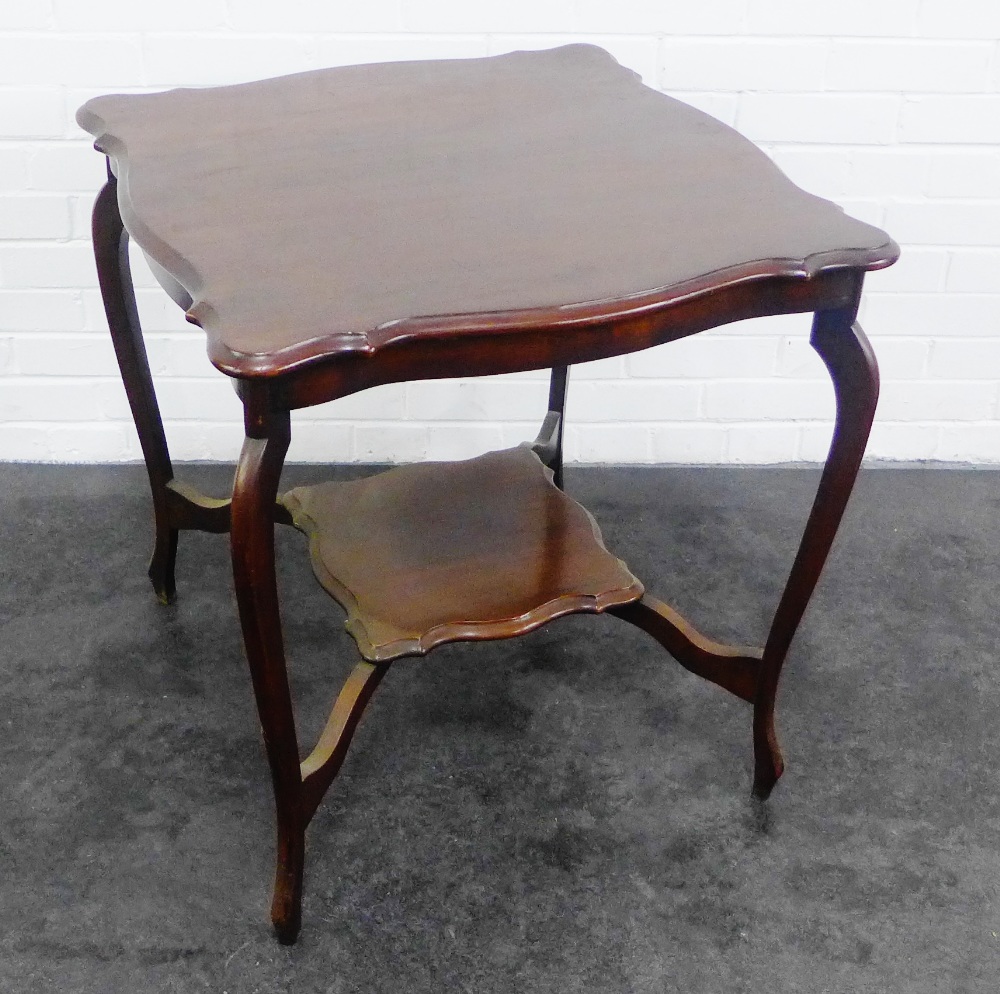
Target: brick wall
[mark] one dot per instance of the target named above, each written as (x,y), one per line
(890,108)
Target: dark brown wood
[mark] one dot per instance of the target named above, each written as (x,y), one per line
(252,542)
(192,510)
(848,356)
(513,192)
(734,668)
(487,548)
(298,787)
(320,767)
(176,505)
(115,277)
(549,443)
(567,340)
(188,508)
(374,224)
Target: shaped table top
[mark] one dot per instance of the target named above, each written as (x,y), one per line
(340,210)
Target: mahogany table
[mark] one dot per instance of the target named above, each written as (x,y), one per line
(339,229)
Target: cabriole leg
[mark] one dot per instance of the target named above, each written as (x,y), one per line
(848,356)
(111,251)
(252,539)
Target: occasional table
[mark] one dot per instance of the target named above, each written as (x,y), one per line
(339,229)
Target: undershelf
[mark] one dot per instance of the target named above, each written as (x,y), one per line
(485,548)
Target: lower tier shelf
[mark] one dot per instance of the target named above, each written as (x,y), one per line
(487,548)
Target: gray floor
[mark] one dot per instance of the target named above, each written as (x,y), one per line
(564,812)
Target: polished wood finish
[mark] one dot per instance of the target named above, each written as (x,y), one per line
(848,356)
(298,787)
(340,229)
(734,668)
(520,191)
(563,343)
(486,548)
(320,767)
(114,274)
(176,505)
(190,509)
(252,541)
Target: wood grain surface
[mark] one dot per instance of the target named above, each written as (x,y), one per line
(442,552)
(344,210)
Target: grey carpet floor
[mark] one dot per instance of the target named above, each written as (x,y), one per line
(566,812)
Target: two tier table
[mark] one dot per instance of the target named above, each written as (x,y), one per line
(349,227)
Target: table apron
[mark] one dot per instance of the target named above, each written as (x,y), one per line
(493,351)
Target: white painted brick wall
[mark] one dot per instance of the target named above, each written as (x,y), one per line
(891,109)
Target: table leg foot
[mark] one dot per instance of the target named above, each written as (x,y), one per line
(161,566)
(768,763)
(286,902)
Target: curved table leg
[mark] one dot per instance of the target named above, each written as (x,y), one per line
(848,356)
(111,251)
(298,787)
(252,539)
